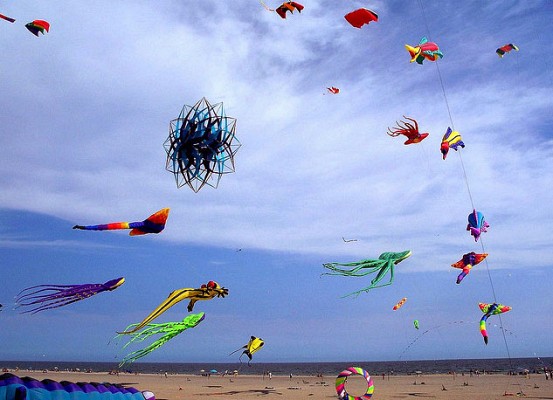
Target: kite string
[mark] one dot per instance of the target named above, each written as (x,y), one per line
(468,187)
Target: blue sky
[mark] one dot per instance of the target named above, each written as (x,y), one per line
(85,110)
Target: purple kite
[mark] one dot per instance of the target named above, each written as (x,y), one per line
(45,297)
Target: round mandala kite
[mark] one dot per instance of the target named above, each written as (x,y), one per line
(343,377)
(201,145)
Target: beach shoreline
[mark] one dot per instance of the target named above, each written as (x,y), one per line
(195,386)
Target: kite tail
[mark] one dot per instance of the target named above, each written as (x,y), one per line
(106,227)
(465,272)
(483,330)
(265,6)
(12,20)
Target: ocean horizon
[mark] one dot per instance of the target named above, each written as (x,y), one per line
(462,366)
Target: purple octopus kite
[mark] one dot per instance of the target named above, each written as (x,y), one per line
(45,297)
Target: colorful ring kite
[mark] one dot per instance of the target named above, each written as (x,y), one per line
(343,377)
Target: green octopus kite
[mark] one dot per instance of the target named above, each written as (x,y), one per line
(385,263)
(169,331)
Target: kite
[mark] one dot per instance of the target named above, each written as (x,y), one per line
(45,297)
(400,304)
(155,223)
(505,49)
(385,263)
(466,263)
(38,26)
(343,377)
(253,345)
(286,6)
(27,388)
(360,17)
(477,224)
(416,324)
(333,90)
(451,140)
(6,18)
(490,309)
(169,331)
(205,292)
(424,49)
(201,145)
(409,130)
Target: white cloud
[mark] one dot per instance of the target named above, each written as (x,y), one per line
(87,109)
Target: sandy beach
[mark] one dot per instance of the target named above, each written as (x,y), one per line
(181,387)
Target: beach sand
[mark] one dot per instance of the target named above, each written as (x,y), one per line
(183,387)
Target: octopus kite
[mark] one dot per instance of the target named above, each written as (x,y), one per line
(410,130)
(253,345)
(424,50)
(477,224)
(451,140)
(466,263)
(201,145)
(169,330)
(205,292)
(155,223)
(385,264)
(281,10)
(490,309)
(45,297)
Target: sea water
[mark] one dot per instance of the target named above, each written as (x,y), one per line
(500,365)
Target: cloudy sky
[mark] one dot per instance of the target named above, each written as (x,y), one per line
(84,112)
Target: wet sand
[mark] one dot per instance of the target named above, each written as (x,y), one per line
(182,387)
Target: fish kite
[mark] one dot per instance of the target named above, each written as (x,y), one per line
(360,17)
(205,292)
(333,90)
(286,6)
(505,49)
(490,309)
(38,26)
(6,18)
(466,263)
(385,264)
(416,324)
(400,304)
(408,130)
(425,49)
(169,330)
(451,140)
(45,297)
(477,224)
(253,345)
(155,223)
